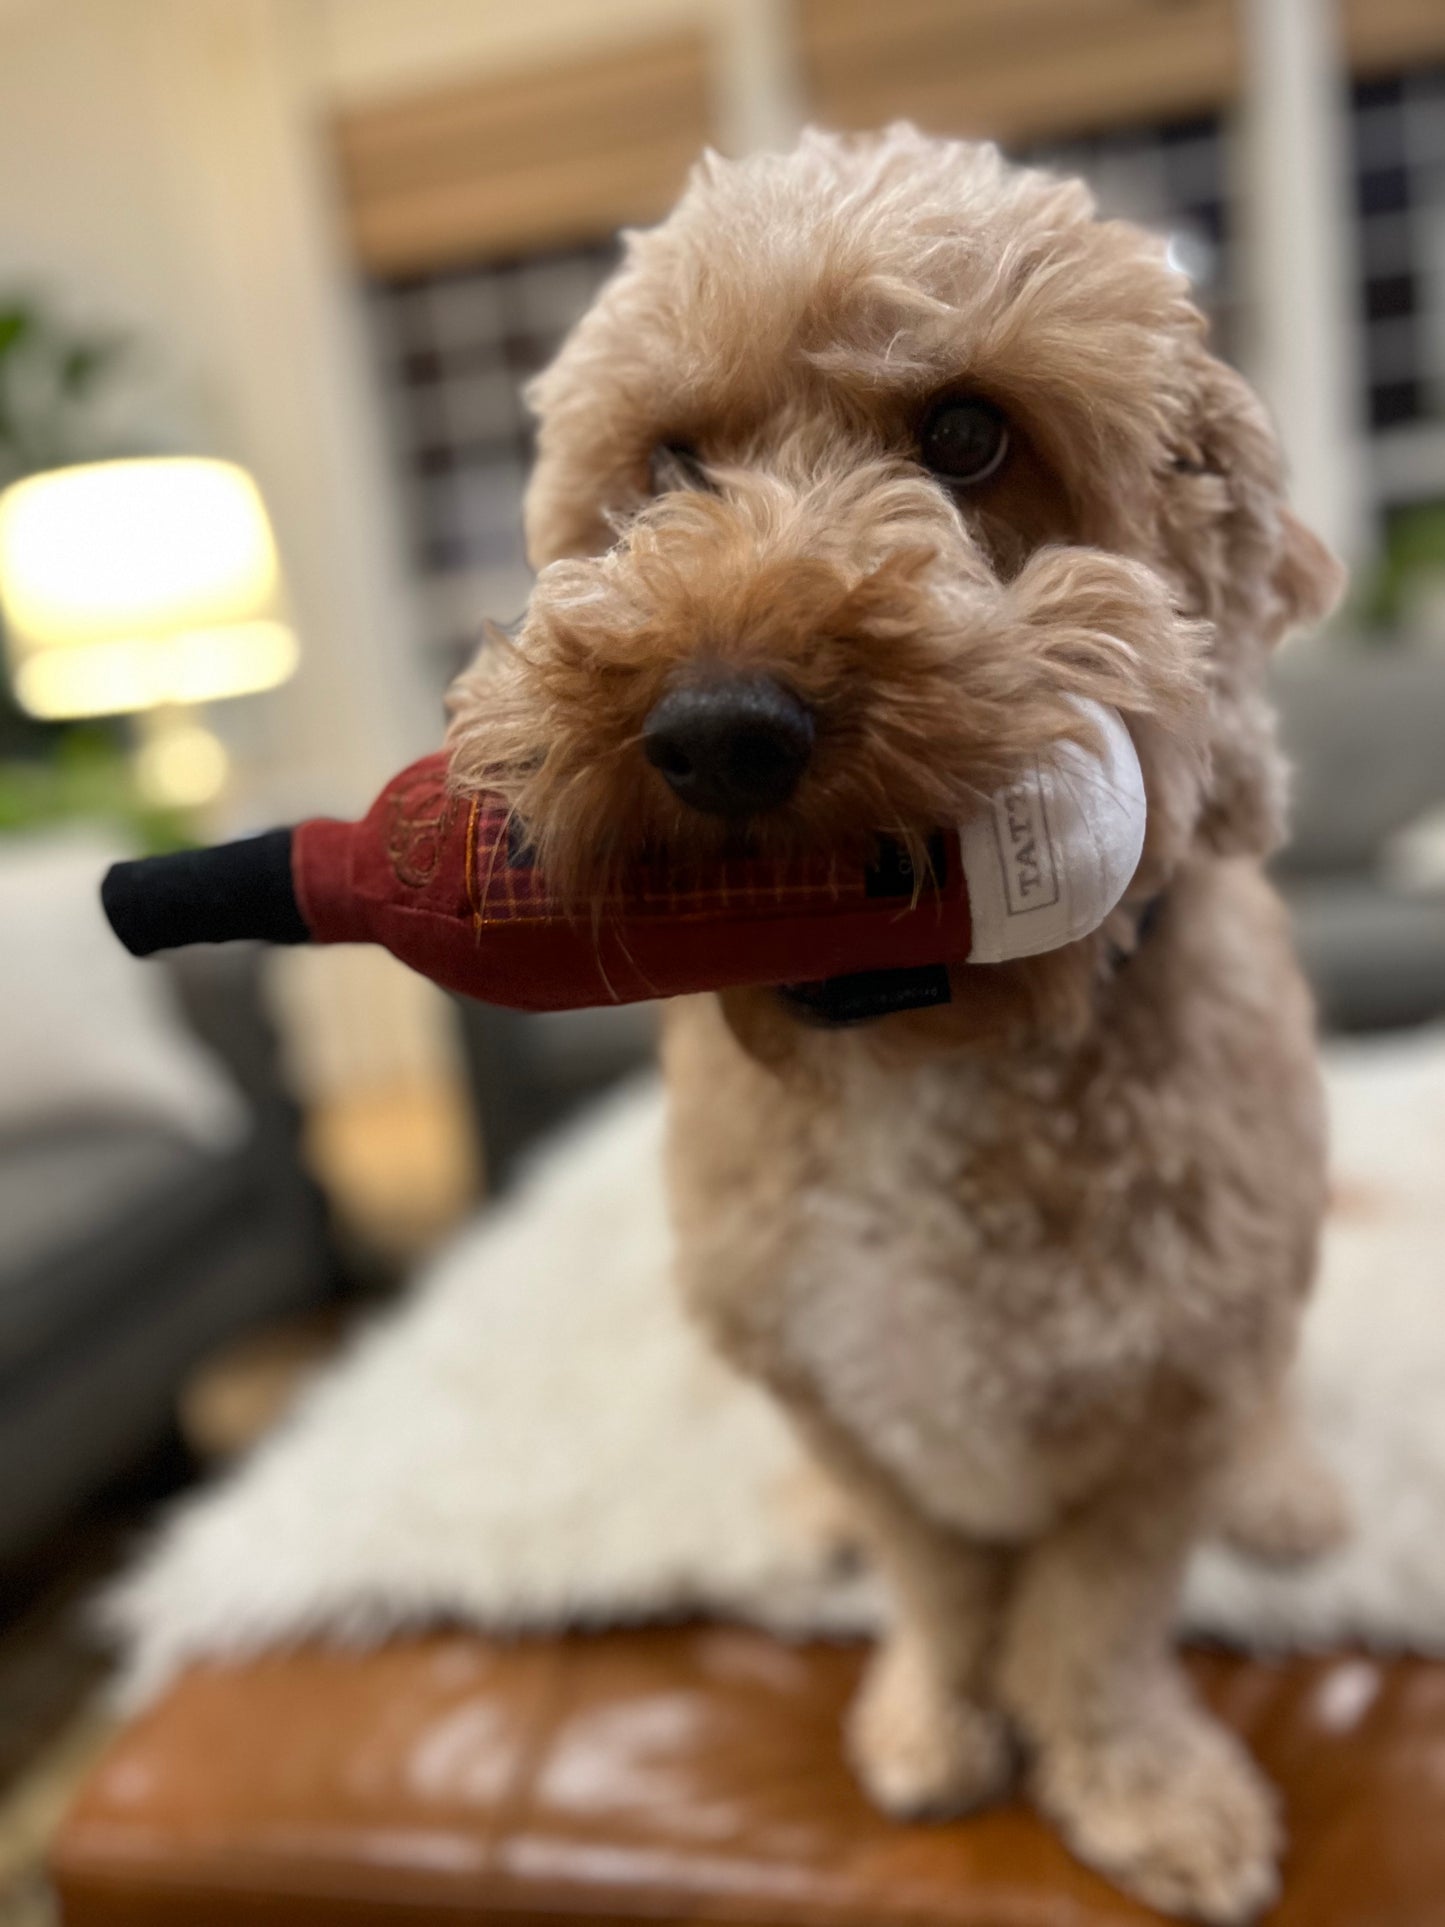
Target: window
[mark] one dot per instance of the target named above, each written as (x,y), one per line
(456,348)
(1399,141)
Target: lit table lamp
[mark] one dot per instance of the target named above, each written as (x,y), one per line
(143,587)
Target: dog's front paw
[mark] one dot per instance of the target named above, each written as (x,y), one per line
(1287,1510)
(1180,1816)
(921,1751)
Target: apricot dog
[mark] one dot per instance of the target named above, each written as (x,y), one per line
(864,465)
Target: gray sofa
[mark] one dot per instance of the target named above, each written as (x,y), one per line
(1365,728)
(128,1252)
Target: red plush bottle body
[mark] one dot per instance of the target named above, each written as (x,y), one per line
(447,884)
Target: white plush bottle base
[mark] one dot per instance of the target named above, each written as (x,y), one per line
(1054,852)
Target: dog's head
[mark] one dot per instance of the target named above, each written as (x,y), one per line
(865,464)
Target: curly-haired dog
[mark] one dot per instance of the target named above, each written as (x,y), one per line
(863,466)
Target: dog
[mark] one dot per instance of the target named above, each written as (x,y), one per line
(867,464)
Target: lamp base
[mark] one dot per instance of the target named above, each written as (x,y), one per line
(179,763)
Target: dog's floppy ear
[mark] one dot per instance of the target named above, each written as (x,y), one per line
(1252,563)
(1245,561)
(1308,578)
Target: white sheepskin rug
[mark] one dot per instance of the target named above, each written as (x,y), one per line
(538,1439)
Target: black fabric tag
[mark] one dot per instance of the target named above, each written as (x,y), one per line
(837,1001)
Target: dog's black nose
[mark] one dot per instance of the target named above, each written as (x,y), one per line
(733,746)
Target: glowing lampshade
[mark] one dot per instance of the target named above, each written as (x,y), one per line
(137,585)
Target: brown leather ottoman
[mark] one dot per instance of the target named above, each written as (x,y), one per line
(677,1776)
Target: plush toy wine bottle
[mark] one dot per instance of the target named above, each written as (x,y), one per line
(447,883)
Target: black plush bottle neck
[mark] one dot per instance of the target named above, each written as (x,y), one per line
(235,890)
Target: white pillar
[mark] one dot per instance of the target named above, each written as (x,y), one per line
(1296,215)
(758,88)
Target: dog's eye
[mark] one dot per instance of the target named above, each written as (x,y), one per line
(963,440)
(674,466)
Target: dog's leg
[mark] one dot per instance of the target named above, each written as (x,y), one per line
(1142,1782)
(1279,1502)
(920,1737)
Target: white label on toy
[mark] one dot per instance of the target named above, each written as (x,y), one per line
(1025,853)
(1055,851)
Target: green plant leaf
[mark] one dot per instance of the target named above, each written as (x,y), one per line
(16,324)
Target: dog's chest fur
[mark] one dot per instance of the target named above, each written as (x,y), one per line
(998,1277)
(929,1301)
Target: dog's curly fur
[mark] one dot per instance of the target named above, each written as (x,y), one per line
(1026,1270)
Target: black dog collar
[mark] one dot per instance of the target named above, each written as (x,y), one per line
(838,1003)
